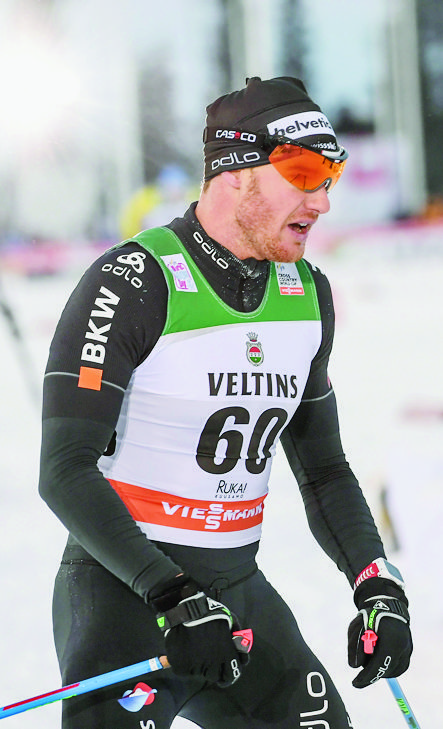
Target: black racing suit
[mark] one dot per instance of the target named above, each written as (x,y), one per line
(101,619)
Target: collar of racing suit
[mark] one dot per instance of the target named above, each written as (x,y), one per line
(239,283)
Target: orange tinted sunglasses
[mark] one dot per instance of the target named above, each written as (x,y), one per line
(305,169)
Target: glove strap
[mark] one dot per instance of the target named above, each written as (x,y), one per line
(381,606)
(380,568)
(198,608)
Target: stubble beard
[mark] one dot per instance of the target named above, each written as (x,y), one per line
(255,219)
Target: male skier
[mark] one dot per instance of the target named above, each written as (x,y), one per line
(181,358)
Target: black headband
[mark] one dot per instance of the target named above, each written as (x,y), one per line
(239,124)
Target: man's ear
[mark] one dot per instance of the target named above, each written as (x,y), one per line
(232,178)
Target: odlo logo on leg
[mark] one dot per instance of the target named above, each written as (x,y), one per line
(142,695)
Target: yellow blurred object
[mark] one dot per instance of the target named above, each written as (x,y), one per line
(139,205)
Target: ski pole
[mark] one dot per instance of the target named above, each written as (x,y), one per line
(242,639)
(24,357)
(403,703)
(88,684)
(370,638)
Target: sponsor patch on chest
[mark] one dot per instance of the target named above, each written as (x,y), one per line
(181,273)
(289,281)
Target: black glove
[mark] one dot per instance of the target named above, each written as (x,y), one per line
(379,638)
(198,634)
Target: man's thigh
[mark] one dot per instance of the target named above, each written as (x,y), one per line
(283,686)
(101,625)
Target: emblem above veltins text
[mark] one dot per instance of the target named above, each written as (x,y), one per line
(254,350)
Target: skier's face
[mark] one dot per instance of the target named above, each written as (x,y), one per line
(272,217)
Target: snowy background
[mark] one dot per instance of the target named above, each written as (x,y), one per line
(386,369)
(81,82)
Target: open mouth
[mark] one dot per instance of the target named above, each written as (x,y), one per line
(299,227)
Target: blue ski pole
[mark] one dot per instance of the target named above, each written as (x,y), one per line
(88,684)
(369,639)
(403,703)
(243,640)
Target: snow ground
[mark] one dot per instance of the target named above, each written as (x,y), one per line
(388,356)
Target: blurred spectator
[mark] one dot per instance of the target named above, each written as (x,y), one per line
(158,204)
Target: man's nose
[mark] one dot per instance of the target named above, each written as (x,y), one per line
(318,200)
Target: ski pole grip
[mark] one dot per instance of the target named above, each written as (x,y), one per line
(243,640)
(369,639)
